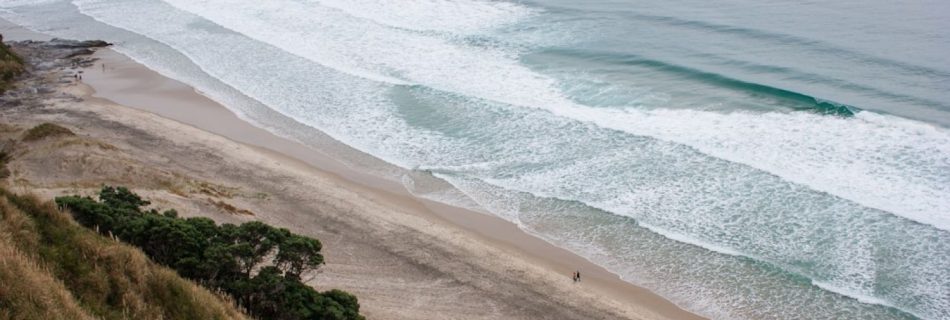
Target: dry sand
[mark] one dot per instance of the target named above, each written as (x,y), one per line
(404,257)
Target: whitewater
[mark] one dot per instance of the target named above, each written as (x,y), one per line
(745,161)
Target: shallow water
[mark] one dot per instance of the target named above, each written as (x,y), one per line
(748,160)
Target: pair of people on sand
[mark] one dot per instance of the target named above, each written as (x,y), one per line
(577,276)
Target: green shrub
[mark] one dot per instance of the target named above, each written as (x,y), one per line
(46,130)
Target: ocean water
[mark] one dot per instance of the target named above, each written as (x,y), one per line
(745,159)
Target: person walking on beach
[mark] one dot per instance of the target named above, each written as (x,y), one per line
(577,276)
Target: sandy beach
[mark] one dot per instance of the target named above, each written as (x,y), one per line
(404,257)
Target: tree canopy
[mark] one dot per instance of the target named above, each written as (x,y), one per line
(258,264)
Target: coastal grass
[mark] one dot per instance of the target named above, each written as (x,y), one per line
(53,268)
(11,66)
(46,130)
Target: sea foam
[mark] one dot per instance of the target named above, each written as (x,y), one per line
(882,162)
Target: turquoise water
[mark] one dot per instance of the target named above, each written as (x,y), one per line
(745,159)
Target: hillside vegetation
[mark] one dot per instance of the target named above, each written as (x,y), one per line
(259,265)
(11,65)
(53,268)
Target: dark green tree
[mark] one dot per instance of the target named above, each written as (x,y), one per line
(222,257)
(298,255)
(121,198)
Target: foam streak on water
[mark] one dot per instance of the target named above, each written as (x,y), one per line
(707,184)
(851,159)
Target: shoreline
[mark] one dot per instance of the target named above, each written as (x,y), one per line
(127,84)
(500,232)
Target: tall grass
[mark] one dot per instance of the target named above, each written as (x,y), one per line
(52,268)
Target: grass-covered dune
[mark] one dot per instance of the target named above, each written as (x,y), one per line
(111,264)
(53,268)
